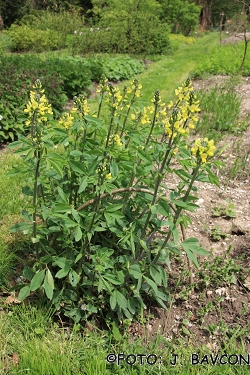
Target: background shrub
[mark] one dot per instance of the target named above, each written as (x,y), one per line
(25,38)
(63,77)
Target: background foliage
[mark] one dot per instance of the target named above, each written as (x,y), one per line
(63,77)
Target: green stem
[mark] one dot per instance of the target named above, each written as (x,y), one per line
(35,201)
(178,211)
(157,185)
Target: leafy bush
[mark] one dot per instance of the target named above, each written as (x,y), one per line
(5,42)
(117,39)
(177,40)
(25,38)
(61,24)
(17,75)
(63,77)
(103,221)
(121,68)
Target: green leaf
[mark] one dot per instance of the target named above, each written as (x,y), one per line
(48,288)
(186,206)
(132,305)
(56,165)
(50,278)
(24,292)
(78,233)
(28,273)
(63,272)
(79,256)
(75,153)
(163,208)
(77,167)
(135,271)
(192,257)
(100,285)
(156,276)
(83,185)
(62,208)
(37,280)
(74,278)
(25,228)
(114,207)
(151,283)
(27,191)
(62,195)
(15,144)
(62,262)
(121,300)
(107,285)
(71,295)
(68,223)
(113,300)
(213,179)
(160,301)
(192,245)
(35,239)
(115,215)
(163,273)
(184,175)
(111,278)
(114,170)
(115,331)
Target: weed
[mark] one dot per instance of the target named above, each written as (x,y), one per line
(215,233)
(221,270)
(220,110)
(225,210)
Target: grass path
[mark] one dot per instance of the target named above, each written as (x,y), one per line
(168,73)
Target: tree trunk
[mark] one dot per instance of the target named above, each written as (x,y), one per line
(205,15)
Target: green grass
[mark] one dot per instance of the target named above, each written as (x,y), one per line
(171,71)
(220,111)
(224,59)
(42,348)
(12,202)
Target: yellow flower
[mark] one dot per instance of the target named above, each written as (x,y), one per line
(137,93)
(108,176)
(203,148)
(170,105)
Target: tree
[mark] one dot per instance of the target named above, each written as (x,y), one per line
(212,10)
(181,15)
(12,10)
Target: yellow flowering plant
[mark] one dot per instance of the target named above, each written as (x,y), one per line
(101,199)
